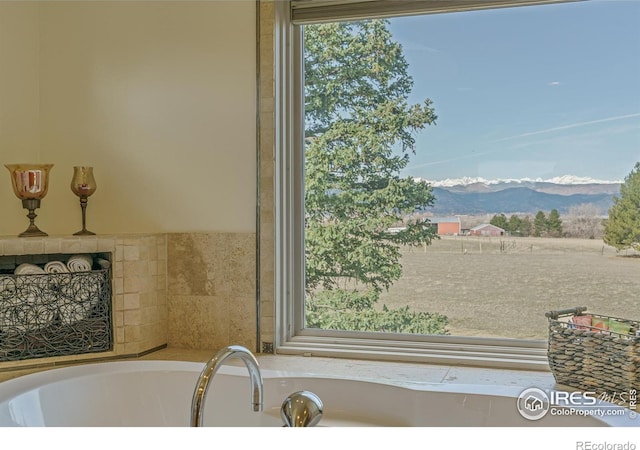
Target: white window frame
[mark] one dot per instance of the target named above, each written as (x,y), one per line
(290,335)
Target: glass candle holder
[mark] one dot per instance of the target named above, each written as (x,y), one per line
(30,184)
(83,184)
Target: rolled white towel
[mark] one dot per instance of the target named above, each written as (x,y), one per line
(80,263)
(26,314)
(103,263)
(28,269)
(7,292)
(56,267)
(7,288)
(26,303)
(6,280)
(81,295)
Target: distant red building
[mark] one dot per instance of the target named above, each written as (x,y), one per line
(486,229)
(447,225)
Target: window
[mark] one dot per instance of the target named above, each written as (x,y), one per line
(528,96)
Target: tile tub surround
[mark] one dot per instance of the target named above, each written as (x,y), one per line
(139,294)
(211,281)
(189,290)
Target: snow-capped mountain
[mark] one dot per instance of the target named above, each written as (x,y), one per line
(469,195)
(564,179)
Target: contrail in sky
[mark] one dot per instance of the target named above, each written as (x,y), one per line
(532,133)
(566,127)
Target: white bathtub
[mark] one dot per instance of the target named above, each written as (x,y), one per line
(159,393)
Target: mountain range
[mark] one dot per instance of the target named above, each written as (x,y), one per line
(475,196)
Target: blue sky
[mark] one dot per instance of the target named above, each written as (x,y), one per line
(527,92)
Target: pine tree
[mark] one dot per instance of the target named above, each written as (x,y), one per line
(359,135)
(622,229)
(540,224)
(554,224)
(526,226)
(515,225)
(500,220)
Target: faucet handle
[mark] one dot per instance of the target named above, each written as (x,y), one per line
(301,409)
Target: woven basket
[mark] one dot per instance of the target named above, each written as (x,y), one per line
(593,359)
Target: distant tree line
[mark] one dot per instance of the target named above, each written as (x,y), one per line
(621,229)
(541,225)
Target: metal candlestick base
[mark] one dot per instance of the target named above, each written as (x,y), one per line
(32,204)
(84,231)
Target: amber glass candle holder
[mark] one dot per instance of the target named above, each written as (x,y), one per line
(83,184)
(30,184)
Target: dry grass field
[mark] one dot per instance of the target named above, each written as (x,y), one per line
(486,291)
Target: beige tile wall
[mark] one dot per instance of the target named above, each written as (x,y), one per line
(184,290)
(212,290)
(140,287)
(266,165)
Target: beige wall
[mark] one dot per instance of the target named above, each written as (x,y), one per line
(158,96)
(19,92)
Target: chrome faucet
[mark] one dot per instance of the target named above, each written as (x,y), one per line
(301,409)
(209,371)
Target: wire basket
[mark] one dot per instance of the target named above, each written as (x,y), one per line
(594,352)
(54,314)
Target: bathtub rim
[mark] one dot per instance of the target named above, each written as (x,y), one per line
(17,386)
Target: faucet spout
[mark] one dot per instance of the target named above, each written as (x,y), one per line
(209,371)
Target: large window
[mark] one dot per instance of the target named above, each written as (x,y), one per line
(453,175)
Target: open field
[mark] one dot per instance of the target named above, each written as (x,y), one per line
(488,292)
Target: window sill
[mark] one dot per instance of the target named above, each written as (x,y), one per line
(476,352)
